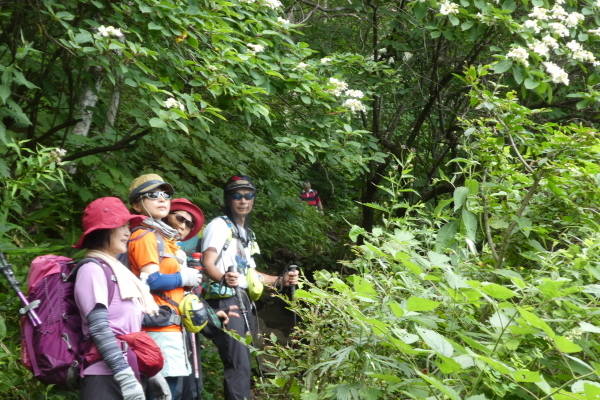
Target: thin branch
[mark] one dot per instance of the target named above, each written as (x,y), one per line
(514,146)
(513,223)
(56,128)
(121,144)
(486,222)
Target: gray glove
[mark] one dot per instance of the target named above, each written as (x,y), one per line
(130,386)
(159,387)
(190,277)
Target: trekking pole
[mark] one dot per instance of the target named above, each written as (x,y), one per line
(242,307)
(28,308)
(193,338)
(293,268)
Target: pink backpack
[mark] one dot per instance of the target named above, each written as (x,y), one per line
(55,350)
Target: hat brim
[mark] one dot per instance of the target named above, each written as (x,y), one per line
(242,186)
(150,187)
(132,219)
(195,212)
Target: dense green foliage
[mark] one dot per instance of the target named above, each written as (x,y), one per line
(454,145)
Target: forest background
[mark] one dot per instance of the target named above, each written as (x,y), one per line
(454,145)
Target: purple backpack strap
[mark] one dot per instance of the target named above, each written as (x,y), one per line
(110,283)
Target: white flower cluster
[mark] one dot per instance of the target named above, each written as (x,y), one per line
(539,13)
(255,48)
(447,8)
(595,32)
(573,19)
(354,93)
(561,19)
(248,1)
(559,29)
(532,24)
(273,3)
(325,60)
(559,13)
(338,86)
(520,54)
(579,54)
(557,74)
(106,31)
(550,42)
(173,103)
(56,155)
(540,48)
(574,333)
(407,56)
(354,105)
(300,65)
(283,21)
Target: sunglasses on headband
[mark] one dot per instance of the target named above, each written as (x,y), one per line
(182,220)
(156,195)
(239,196)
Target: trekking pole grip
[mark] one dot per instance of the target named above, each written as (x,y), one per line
(28,308)
(292,268)
(238,293)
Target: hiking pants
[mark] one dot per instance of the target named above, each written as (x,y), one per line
(234,355)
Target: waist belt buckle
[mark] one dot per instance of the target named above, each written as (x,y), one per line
(124,346)
(176,319)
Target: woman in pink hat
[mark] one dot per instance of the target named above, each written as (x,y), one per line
(110,311)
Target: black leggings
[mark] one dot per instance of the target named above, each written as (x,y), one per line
(234,355)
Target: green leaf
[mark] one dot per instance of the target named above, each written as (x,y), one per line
(387,378)
(2,328)
(355,232)
(157,123)
(536,321)
(531,83)
(497,291)
(448,365)
(502,66)
(447,390)
(497,365)
(467,25)
(524,375)
(290,157)
(83,36)
(4,93)
(421,304)
(306,99)
(445,235)
(436,342)
(565,345)
(460,195)
(396,309)
(470,223)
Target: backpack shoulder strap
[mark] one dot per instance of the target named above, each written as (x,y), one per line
(110,278)
(160,242)
(165,297)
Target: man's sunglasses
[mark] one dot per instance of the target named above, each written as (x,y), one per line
(181,219)
(156,195)
(238,196)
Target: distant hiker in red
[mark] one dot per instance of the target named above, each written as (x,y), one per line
(311,197)
(110,310)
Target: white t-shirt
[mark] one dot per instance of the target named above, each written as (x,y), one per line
(216,235)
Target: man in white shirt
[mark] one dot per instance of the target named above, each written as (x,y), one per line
(228,241)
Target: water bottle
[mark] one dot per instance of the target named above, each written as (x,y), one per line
(196,261)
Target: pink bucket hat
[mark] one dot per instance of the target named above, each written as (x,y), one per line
(194,210)
(104,213)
